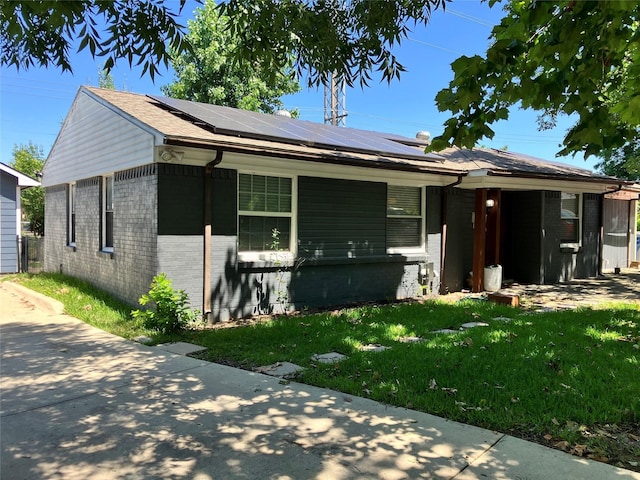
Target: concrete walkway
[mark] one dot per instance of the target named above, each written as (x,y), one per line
(79,403)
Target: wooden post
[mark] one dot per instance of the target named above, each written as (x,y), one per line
(206,250)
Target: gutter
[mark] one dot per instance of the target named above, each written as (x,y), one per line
(431,166)
(443,221)
(206,263)
(570,178)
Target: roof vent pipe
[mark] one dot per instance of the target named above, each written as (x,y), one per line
(423,135)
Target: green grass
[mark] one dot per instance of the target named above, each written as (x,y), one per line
(84,301)
(559,374)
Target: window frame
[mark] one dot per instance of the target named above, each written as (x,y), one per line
(423,221)
(578,242)
(104,211)
(288,252)
(72,192)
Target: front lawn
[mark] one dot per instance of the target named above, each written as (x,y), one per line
(568,379)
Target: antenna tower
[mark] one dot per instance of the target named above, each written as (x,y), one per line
(335,105)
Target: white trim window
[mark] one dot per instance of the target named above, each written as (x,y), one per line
(107,213)
(405,218)
(570,219)
(265,214)
(71,209)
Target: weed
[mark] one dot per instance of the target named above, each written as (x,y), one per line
(172,311)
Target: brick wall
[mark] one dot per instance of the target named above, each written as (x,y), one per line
(127,273)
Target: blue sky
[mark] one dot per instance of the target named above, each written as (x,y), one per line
(34,103)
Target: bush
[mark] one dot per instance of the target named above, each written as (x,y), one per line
(172,309)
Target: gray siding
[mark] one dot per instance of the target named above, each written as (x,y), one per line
(616,234)
(8,223)
(95,140)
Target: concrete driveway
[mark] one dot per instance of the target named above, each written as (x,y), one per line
(79,403)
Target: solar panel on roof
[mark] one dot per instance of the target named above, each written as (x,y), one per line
(230,121)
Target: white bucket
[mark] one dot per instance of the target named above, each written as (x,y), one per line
(493,278)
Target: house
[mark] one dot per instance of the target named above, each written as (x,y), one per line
(11,183)
(252,213)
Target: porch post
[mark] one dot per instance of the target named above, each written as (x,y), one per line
(206,237)
(479,240)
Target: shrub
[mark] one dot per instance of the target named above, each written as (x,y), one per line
(172,309)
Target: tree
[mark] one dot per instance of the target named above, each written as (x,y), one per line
(105,79)
(29,159)
(623,162)
(42,32)
(208,73)
(348,38)
(574,58)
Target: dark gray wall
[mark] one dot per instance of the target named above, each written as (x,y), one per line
(557,264)
(181,200)
(589,256)
(564,264)
(522,234)
(8,240)
(342,246)
(531,251)
(341,218)
(460,205)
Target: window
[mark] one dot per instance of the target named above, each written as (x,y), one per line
(264,206)
(107,214)
(570,218)
(404,217)
(71,209)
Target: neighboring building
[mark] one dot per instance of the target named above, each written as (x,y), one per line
(138,185)
(11,183)
(619,244)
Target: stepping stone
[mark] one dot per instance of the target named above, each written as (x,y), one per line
(502,319)
(373,347)
(446,331)
(567,306)
(143,339)
(280,369)
(331,357)
(467,325)
(545,310)
(410,339)
(181,348)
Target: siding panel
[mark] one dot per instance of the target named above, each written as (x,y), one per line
(616,231)
(95,140)
(8,234)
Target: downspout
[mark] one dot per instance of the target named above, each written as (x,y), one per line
(443,219)
(206,267)
(601,239)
